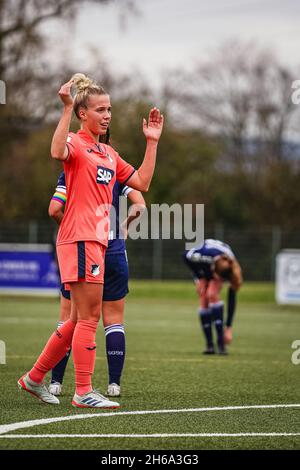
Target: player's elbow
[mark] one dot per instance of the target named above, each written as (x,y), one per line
(54,153)
(56,156)
(144,187)
(58,153)
(144,184)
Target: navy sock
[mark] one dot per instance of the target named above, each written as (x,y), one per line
(217,317)
(205,316)
(115,351)
(58,372)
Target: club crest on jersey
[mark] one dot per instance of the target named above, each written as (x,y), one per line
(101,150)
(104,175)
(95,269)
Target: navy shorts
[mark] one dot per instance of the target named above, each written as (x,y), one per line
(115,278)
(200,269)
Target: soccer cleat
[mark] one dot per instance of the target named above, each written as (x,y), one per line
(55,388)
(93,399)
(40,391)
(113,390)
(210,350)
(222,351)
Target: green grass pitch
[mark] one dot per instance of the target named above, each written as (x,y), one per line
(165,370)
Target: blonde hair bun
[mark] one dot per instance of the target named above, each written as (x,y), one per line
(82,82)
(85,87)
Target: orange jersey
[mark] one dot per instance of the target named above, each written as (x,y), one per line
(91,171)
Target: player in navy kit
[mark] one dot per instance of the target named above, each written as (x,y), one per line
(115,284)
(212,263)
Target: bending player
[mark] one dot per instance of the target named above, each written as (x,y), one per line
(115,286)
(91,169)
(213,263)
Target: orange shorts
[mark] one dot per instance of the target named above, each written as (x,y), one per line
(81,261)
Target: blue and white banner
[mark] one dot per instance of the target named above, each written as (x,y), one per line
(28,269)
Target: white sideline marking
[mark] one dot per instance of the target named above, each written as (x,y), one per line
(55,436)
(4,428)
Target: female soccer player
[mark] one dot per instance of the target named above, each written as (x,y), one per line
(212,263)
(91,170)
(115,285)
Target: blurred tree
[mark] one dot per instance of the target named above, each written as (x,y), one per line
(23,42)
(241,98)
(225,137)
(242,95)
(186,159)
(31,84)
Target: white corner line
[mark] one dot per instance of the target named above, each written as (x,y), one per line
(5,428)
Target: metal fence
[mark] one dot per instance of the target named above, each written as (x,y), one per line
(255,249)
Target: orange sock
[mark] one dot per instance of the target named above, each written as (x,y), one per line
(84,354)
(56,348)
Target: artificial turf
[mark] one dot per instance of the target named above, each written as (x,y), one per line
(165,369)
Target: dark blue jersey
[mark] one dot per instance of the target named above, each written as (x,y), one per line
(61,182)
(115,243)
(211,249)
(201,259)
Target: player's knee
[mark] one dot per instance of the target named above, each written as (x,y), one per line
(95,317)
(95,313)
(114,319)
(89,316)
(212,297)
(90,312)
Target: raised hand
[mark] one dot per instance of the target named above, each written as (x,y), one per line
(65,93)
(153,129)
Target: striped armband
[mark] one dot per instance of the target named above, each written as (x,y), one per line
(126,190)
(59,197)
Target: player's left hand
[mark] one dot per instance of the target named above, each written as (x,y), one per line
(153,128)
(228,335)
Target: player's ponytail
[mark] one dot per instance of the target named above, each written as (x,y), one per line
(85,87)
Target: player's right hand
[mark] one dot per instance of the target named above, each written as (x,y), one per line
(228,335)
(65,93)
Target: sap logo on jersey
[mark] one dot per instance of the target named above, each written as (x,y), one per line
(104,175)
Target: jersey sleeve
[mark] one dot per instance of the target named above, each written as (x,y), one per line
(72,146)
(61,183)
(124,190)
(123,169)
(60,194)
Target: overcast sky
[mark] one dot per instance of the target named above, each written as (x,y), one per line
(178,32)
